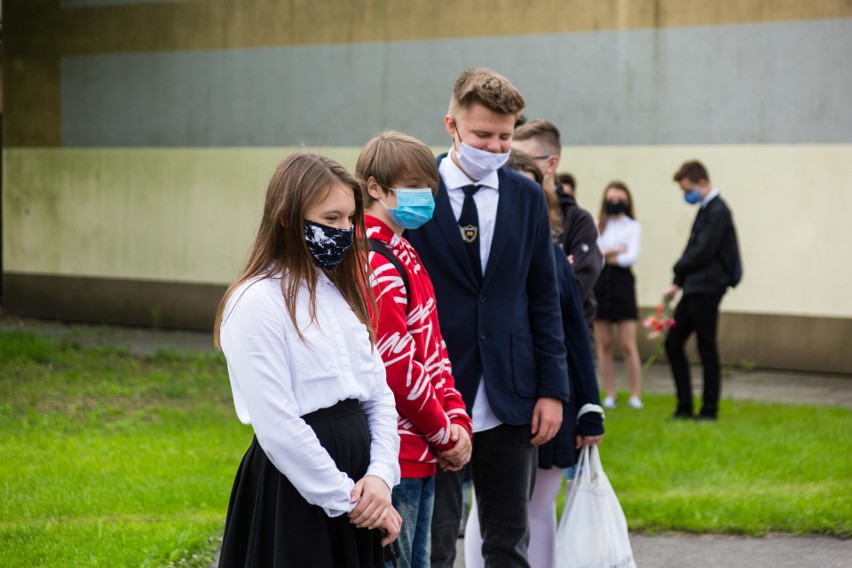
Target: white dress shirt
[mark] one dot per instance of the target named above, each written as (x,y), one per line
(622,232)
(276,378)
(486,199)
(713,193)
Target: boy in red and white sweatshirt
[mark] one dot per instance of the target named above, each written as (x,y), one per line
(401,177)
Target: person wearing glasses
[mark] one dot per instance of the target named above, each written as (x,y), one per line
(540,140)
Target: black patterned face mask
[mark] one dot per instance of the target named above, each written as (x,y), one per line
(327,245)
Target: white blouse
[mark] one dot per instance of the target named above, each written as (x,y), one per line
(623,232)
(276,378)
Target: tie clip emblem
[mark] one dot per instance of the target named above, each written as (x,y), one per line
(469,233)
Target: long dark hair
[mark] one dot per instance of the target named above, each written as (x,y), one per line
(300,181)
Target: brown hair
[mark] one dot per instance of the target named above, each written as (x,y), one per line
(692,170)
(490,89)
(567,179)
(603,216)
(390,156)
(544,131)
(522,162)
(300,181)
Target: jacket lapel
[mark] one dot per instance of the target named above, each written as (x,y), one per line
(507,206)
(446,220)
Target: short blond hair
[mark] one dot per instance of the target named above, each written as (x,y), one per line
(391,155)
(490,89)
(543,131)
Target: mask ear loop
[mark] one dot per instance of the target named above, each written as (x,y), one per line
(382,202)
(456,129)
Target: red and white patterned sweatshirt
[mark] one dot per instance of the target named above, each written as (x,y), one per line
(409,340)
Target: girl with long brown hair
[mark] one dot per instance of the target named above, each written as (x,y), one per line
(314,487)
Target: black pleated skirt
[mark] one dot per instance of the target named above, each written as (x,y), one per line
(615,292)
(270,524)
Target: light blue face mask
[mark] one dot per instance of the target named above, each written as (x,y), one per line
(413,207)
(692,196)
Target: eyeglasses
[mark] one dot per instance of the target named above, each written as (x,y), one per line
(541,157)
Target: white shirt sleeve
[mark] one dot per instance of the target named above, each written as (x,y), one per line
(634,239)
(380,410)
(256,351)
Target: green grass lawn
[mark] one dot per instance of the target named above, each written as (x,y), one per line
(761,468)
(111,459)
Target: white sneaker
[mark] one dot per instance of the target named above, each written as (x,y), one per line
(636,402)
(609,402)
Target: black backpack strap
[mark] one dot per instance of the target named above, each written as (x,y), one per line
(380,248)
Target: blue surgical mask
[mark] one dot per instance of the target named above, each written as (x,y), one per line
(327,245)
(693,196)
(414,207)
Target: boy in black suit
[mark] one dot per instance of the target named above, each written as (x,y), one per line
(710,263)
(489,253)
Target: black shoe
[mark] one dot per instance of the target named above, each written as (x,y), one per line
(682,415)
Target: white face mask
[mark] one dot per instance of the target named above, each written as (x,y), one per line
(478,163)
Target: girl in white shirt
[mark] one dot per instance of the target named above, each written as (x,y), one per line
(615,291)
(314,487)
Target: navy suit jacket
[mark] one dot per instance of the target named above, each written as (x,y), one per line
(507,329)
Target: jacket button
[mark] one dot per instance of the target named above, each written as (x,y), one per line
(482,336)
(482,299)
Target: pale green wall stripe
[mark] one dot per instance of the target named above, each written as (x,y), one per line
(189,215)
(776,83)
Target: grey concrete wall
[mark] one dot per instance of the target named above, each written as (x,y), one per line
(775,83)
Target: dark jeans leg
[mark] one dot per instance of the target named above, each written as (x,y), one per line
(414,499)
(675,341)
(705,316)
(504,465)
(446,517)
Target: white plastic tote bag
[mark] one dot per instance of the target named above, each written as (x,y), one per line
(592,532)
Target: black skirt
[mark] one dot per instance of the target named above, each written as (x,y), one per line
(270,524)
(615,292)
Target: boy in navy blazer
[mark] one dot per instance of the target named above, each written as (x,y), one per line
(489,253)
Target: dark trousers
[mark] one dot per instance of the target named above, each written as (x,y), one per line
(697,313)
(503,464)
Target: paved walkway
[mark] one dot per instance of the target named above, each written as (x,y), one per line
(658,551)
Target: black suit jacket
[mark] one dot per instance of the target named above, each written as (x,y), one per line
(508,328)
(711,261)
(561,451)
(580,239)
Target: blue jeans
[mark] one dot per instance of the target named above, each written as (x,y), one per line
(414,498)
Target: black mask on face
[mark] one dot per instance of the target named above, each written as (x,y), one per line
(615,207)
(327,245)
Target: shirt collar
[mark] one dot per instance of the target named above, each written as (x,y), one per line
(322,279)
(454,178)
(709,197)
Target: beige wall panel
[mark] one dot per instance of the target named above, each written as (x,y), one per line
(789,203)
(185,215)
(189,215)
